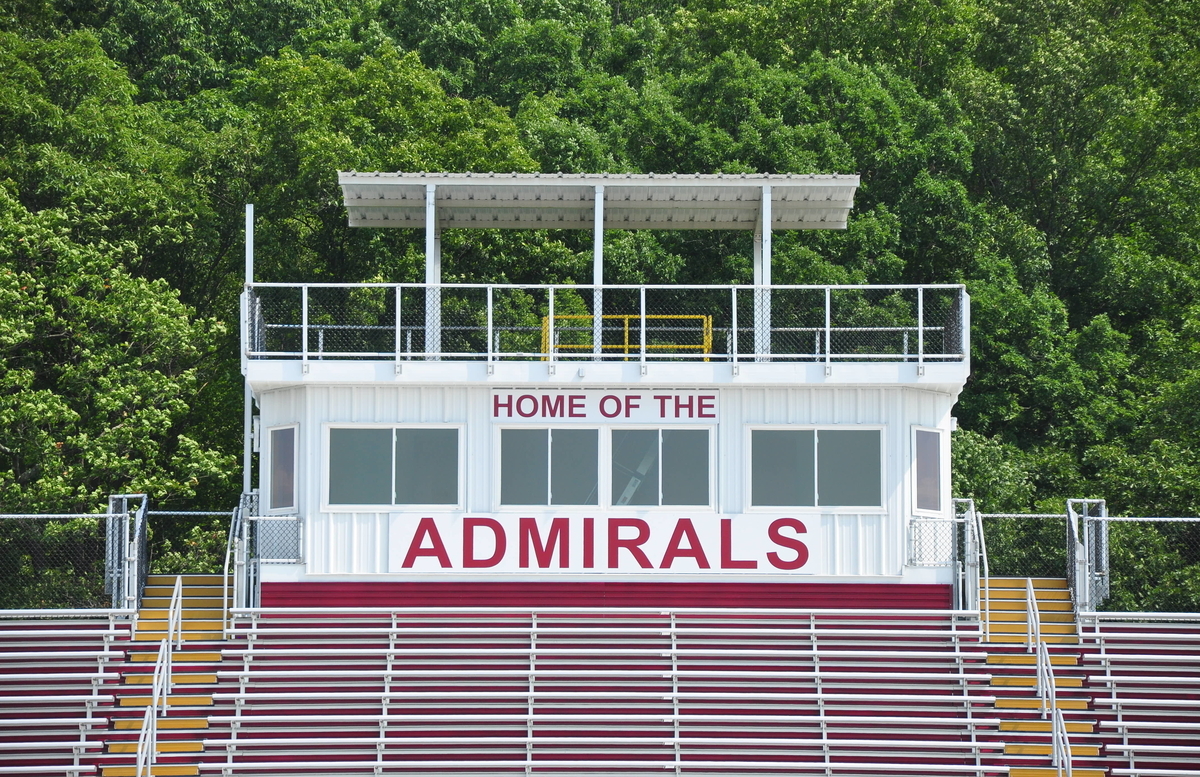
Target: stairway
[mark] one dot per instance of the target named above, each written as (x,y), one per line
(1025,732)
(181,731)
(1004,606)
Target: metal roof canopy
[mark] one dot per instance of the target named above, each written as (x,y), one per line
(562,201)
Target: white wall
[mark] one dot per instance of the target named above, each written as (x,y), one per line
(851,544)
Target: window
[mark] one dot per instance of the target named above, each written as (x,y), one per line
(283,468)
(927,463)
(549,466)
(402,466)
(660,467)
(815,468)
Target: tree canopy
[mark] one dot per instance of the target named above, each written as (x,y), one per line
(1046,154)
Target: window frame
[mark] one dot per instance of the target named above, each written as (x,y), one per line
(604,463)
(328,507)
(498,469)
(943,470)
(268,466)
(748,505)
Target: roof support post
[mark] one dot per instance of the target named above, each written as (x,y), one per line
(762,278)
(598,278)
(433,275)
(248,393)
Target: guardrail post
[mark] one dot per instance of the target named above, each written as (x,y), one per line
(920,330)
(642,327)
(304,327)
(828,330)
(490,354)
(399,327)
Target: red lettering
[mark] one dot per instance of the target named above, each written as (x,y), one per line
(497,404)
(426,528)
(533,411)
(706,407)
(615,400)
(791,543)
(684,528)
(663,399)
(632,402)
(589,543)
(575,406)
(469,560)
(631,544)
(680,405)
(727,559)
(552,407)
(528,535)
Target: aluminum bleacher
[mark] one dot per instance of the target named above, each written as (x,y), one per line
(1144,676)
(56,684)
(629,691)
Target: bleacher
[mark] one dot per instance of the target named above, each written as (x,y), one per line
(628,691)
(1143,674)
(57,675)
(612,691)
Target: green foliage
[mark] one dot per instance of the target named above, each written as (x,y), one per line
(1044,154)
(99,373)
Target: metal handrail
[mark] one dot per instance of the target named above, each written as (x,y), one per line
(1033,618)
(1060,744)
(147,749)
(175,615)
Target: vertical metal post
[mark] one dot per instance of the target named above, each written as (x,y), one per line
(247,436)
(642,308)
(490,355)
(828,331)
(550,329)
(433,276)
(304,326)
(733,323)
(399,327)
(762,278)
(597,279)
(249,243)
(920,330)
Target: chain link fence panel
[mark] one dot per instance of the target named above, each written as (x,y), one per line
(53,563)
(275,539)
(1026,545)
(1153,566)
(933,542)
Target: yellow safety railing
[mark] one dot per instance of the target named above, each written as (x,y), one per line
(627,347)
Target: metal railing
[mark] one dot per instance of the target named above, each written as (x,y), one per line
(161,684)
(491,322)
(1033,618)
(237,566)
(956,542)
(1060,743)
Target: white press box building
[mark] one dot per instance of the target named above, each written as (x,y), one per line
(659,445)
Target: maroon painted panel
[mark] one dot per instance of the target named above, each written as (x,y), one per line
(614,594)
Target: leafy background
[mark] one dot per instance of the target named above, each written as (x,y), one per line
(1044,153)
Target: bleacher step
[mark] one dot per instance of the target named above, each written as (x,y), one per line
(1079,751)
(1031,682)
(1028,726)
(177,679)
(181,657)
(174,700)
(1029,659)
(165,770)
(163,747)
(1062,704)
(135,724)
